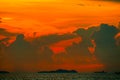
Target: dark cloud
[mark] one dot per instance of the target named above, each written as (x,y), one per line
(46,56)
(86,35)
(113,0)
(3,56)
(37,54)
(21,54)
(4,32)
(106,49)
(78,53)
(81,49)
(75,54)
(108,0)
(53,38)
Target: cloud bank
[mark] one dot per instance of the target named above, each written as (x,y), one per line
(37,54)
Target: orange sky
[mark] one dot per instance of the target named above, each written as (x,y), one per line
(57,16)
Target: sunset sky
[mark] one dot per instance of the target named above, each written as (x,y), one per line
(53,19)
(58,16)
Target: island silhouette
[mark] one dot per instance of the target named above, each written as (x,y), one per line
(4,72)
(59,71)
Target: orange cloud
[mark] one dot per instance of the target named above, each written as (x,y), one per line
(60,46)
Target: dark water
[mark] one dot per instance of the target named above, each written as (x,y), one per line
(59,76)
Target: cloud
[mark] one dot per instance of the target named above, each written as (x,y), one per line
(86,34)
(46,56)
(4,32)
(106,49)
(38,55)
(109,0)
(20,51)
(113,0)
(3,57)
(78,53)
(52,38)
(23,54)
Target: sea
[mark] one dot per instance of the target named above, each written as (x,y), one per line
(59,76)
